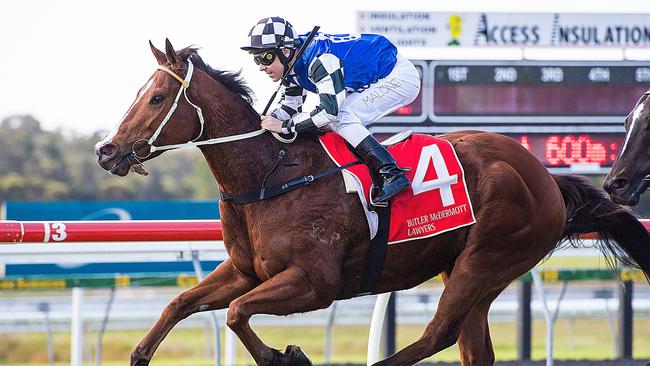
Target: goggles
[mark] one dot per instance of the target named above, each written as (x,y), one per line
(265,58)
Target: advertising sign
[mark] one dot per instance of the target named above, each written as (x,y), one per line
(429,29)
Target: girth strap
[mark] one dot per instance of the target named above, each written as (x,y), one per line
(268,192)
(376,252)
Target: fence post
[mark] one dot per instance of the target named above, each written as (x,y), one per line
(376,323)
(215,320)
(625,314)
(524,319)
(77,328)
(327,351)
(102,328)
(45,308)
(388,337)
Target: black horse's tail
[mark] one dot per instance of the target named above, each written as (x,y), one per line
(588,209)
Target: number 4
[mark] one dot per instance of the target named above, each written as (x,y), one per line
(444,180)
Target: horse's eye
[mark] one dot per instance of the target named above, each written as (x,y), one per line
(157,99)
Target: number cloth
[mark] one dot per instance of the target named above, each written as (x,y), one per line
(437,201)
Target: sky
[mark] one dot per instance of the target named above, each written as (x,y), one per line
(76,65)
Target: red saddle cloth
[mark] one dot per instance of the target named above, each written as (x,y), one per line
(437,200)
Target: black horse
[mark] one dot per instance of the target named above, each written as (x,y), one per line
(630,175)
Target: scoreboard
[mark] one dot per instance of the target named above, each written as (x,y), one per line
(567,113)
(540,93)
(591,151)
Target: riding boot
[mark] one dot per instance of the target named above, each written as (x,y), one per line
(382,166)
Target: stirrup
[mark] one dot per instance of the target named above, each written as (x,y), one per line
(402,170)
(373,187)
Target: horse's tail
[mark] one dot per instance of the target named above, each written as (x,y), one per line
(588,209)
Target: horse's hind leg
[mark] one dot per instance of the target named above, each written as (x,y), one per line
(455,304)
(289,291)
(469,284)
(474,342)
(216,291)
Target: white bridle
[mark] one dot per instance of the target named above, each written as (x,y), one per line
(185,84)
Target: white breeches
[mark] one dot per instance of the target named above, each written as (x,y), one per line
(396,90)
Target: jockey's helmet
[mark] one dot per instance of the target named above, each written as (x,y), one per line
(271,33)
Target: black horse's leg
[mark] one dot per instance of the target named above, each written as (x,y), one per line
(288,292)
(216,291)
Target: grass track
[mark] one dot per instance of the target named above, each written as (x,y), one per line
(582,339)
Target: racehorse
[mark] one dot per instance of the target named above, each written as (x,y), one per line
(300,251)
(630,174)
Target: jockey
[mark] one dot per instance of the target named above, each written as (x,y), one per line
(359,78)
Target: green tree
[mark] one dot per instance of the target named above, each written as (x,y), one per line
(38,164)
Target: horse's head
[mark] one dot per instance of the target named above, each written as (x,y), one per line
(161,115)
(630,175)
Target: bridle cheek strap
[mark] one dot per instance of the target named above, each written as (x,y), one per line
(185,84)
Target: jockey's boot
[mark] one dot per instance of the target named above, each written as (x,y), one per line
(382,168)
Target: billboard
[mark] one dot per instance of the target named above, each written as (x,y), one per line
(431,29)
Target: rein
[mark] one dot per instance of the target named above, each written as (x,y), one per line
(249,197)
(185,85)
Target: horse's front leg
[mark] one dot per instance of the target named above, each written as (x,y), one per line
(289,291)
(216,291)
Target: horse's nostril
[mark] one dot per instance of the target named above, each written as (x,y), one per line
(616,185)
(619,184)
(107,151)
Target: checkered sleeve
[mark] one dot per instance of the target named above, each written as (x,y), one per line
(293,97)
(326,72)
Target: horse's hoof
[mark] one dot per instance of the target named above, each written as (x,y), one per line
(140,362)
(296,356)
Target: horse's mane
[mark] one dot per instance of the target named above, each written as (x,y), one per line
(231,80)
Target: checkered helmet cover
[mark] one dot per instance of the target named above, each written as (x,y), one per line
(272,32)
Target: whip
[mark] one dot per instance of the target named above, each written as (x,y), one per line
(298,54)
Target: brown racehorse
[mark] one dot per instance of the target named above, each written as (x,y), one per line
(630,175)
(300,251)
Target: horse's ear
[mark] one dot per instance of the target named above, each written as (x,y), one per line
(158,54)
(170,53)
